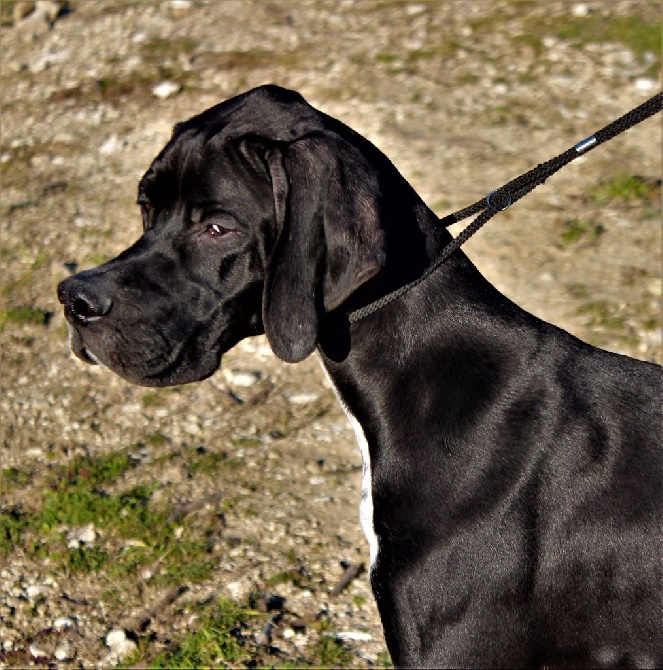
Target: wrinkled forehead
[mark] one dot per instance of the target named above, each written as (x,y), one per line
(189,160)
(206,147)
(201,168)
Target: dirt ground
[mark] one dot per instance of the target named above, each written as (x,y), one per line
(209,524)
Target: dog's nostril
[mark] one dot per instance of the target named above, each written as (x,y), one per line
(87,309)
(81,309)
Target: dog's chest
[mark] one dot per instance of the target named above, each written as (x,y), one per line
(366,504)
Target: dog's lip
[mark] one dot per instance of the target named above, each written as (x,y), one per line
(79,348)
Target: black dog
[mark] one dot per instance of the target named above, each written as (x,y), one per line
(512,484)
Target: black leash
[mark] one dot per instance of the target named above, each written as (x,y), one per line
(503,197)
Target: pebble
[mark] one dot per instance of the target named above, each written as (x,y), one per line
(303,398)
(36,591)
(645,84)
(37,651)
(64,652)
(80,536)
(244,378)
(111,145)
(580,10)
(413,10)
(120,645)
(165,89)
(63,622)
(178,9)
(353,635)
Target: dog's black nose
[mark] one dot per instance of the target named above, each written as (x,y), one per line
(82,301)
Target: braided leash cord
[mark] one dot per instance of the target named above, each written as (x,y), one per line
(506,195)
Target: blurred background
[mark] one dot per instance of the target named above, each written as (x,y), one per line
(211,523)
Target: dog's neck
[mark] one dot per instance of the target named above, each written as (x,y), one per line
(413,240)
(460,326)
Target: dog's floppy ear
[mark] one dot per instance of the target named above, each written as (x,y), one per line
(329,237)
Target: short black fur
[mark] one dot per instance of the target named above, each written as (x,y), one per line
(515,472)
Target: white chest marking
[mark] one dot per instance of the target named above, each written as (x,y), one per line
(366,504)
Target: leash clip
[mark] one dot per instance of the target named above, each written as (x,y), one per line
(508,204)
(586,144)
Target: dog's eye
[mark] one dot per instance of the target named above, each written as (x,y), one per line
(219,223)
(216,230)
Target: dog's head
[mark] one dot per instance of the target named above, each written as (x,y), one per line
(260,215)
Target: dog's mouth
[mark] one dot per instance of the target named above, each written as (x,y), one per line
(166,368)
(79,347)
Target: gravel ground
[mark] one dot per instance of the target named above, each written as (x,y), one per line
(132,520)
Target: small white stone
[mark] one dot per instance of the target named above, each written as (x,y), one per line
(37,651)
(191,428)
(580,10)
(244,378)
(115,637)
(165,89)
(236,589)
(303,398)
(110,146)
(178,9)
(356,636)
(36,591)
(64,652)
(645,84)
(413,10)
(120,644)
(63,622)
(79,536)
(288,633)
